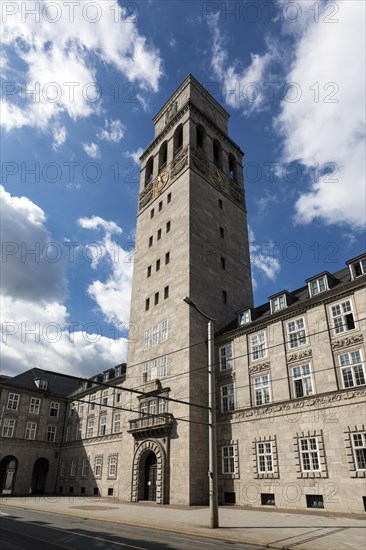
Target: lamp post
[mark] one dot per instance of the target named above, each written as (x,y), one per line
(214,509)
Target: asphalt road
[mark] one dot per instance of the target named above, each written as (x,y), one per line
(22,529)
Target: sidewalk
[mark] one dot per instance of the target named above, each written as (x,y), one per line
(263,528)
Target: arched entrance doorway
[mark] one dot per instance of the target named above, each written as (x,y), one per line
(151,468)
(39,476)
(8,470)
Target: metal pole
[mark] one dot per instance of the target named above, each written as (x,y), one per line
(214,510)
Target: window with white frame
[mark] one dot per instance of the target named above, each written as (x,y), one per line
(8,427)
(104,400)
(152,406)
(143,409)
(352,369)
(34,405)
(103,424)
(296,333)
(147,339)
(342,317)
(258,346)
(73,465)
(98,465)
(164,330)
(85,467)
(116,423)
(245,317)
(163,366)
(318,285)
(359,268)
(68,434)
(359,449)
(43,384)
(154,369)
(79,429)
(51,434)
(155,335)
(309,453)
(226,357)
(72,407)
(145,373)
(262,394)
(30,430)
(54,409)
(162,406)
(93,399)
(90,427)
(265,457)
(118,395)
(81,409)
(13,401)
(62,468)
(112,466)
(302,380)
(227,398)
(278,303)
(228,462)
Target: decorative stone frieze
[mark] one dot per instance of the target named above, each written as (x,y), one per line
(259,368)
(299,356)
(344,342)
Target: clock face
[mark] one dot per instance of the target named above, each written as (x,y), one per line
(160,183)
(219,179)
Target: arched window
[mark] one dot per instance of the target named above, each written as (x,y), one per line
(217,153)
(200,137)
(232,167)
(163,155)
(149,171)
(178,139)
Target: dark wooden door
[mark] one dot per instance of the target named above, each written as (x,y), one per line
(150,477)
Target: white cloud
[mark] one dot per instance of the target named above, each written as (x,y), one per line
(60,59)
(327,123)
(263,259)
(239,85)
(135,155)
(114,294)
(92,150)
(112,131)
(172,42)
(36,325)
(59,136)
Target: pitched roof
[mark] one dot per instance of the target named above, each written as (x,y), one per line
(57,384)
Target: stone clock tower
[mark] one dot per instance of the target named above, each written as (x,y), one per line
(191,240)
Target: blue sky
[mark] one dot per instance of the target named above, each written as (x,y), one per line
(292,76)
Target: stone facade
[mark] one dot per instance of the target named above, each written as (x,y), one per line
(290,374)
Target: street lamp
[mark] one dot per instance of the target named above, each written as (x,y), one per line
(214,509)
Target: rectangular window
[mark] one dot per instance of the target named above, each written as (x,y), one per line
(43,384)
(159,234)
(62,468)
(81,409)
(30,430)
(359,450)
(278,303)
(223,263)
(166,293)
(162,406)
(302,379)
(342,317)
(54,409)
(8,427)
(318,285)
(164,330)
(220,204)
(154,369)
(309,453)
(13,401)
(262,394)
(116,423)
(73,464)
(224,297)
(359,268)
(167,258)
(35,405)
(228,463)
(104,400)
(227,398)
(117,395)
(151,240)
(71,409)
(226,357)
(148,271)
(152,213)
(258,346)
(163,366)
(112,466)
(157,265)
(145,373)
(296,333)
(169,198)
(147,339)
(221,232)
(103,424)
(147,304)
(265,457)
(51,434)
(79,430)
(93,399)
(85,467)
(245,317)
(168,226)
(352,369)
(68,434)
(156,298)
(152,406)
(160,206)
(90,427)
(98,464)
(155,338)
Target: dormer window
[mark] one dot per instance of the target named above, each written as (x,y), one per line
(245,317)
(41,384)
(278,303)
(358,268)
(316,286)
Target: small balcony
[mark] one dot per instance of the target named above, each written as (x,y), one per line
(151,426)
